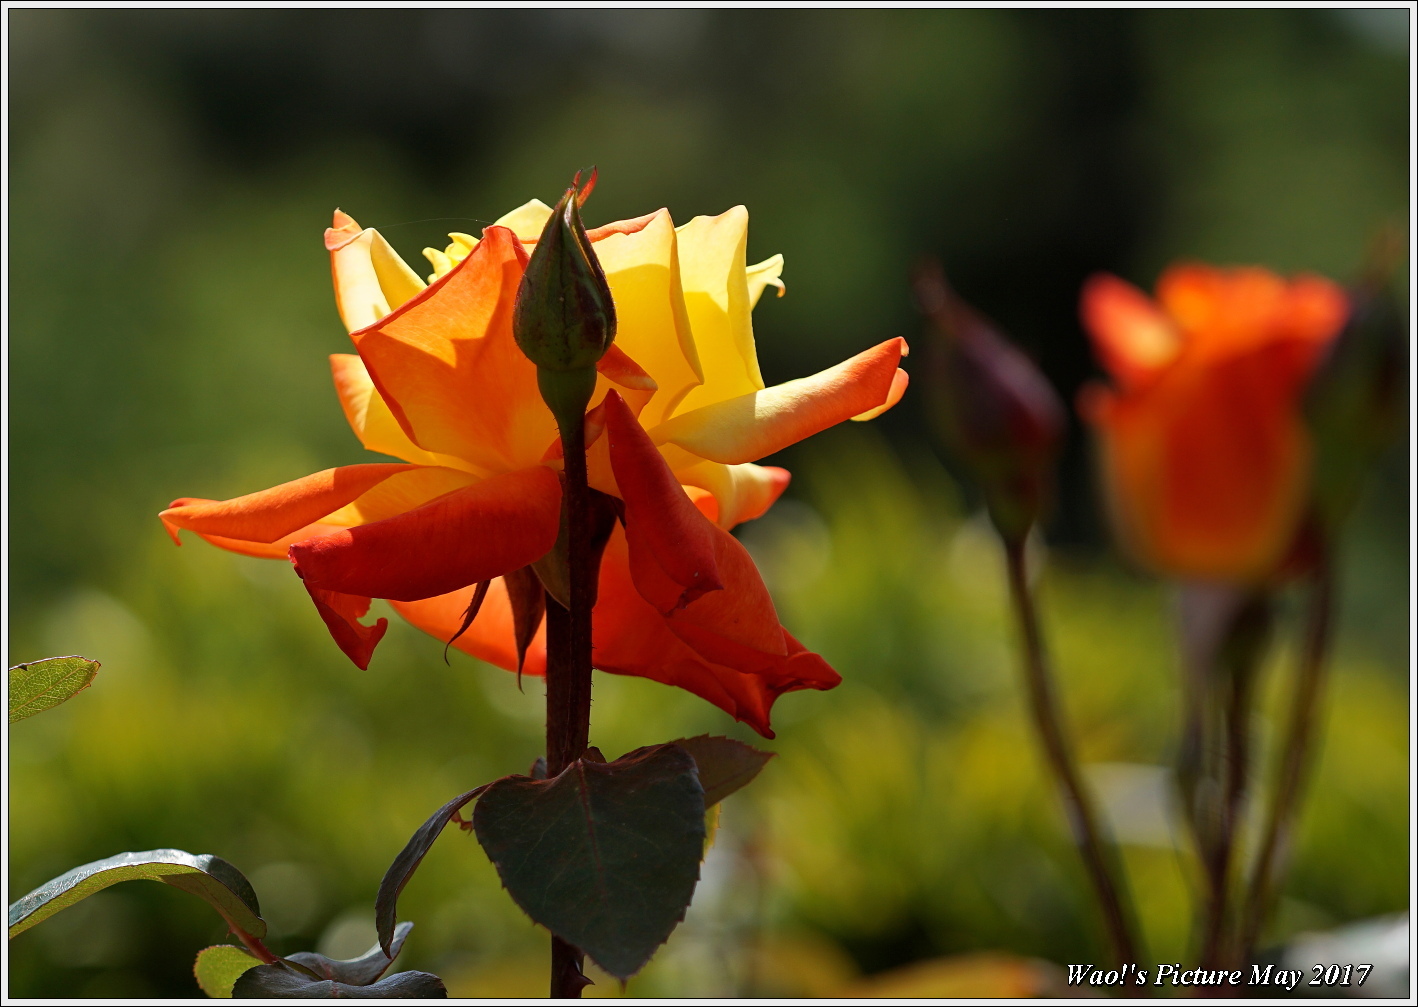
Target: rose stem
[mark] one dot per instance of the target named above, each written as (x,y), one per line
(1235,758)
(1048,722)
(569,663)
(1294,765)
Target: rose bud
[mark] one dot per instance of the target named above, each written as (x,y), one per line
(991,406)
(564,317)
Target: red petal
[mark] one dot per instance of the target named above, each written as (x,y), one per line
(631,638)
(672,546)
(469,535)
(685,565)
(342,613)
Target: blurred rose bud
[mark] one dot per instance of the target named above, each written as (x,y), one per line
(564,318)
(991,406)
(1354,405)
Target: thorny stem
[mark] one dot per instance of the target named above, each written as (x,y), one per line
(1087,832)
(569,663)
(1295,760)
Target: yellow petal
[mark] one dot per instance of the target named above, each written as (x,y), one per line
(767,273)
(466,242)
(372,421)
(652,326)
(440,262)
(715,284)
(400,493)
(527,220)
(370,278)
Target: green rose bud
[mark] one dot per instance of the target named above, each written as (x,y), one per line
(564,318)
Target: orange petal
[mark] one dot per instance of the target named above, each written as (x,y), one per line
(279,549)
(270,514)
(1131,336)
(448,368)
(633,226)
(341,613)
(1207,471)
(746,428)
(1222,310)
(740,492)
(618,367)
(490,638)
(1314,310)
(472,534)
(372,421)
(899,381)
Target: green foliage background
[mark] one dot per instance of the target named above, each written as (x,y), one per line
(170,314)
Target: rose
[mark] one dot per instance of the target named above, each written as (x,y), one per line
(1206,459)
(439,382)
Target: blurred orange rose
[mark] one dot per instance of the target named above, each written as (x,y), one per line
(679,416)
(1205,455)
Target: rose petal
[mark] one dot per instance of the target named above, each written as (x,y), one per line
(370,278)
(739,492)
(652,325)
(372,421)
(270,514)
(751,426)
(1131,336)
(450,371)
(632,639)
(714,279)
(472,534)
(682,563)
(672,546)
(491,637)
(341,613)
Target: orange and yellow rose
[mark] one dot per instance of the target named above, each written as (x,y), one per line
(438,381)
(1205,454)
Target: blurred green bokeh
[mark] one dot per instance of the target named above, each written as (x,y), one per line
(170,315)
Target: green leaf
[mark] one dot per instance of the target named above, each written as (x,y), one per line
(218,967)
(725,765)
(206,876)
(280,981)
(402,869)
(362,971)
(606,855)
(40,685)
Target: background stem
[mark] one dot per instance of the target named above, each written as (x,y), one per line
(1097,858)
(1294,764)
(569,661)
